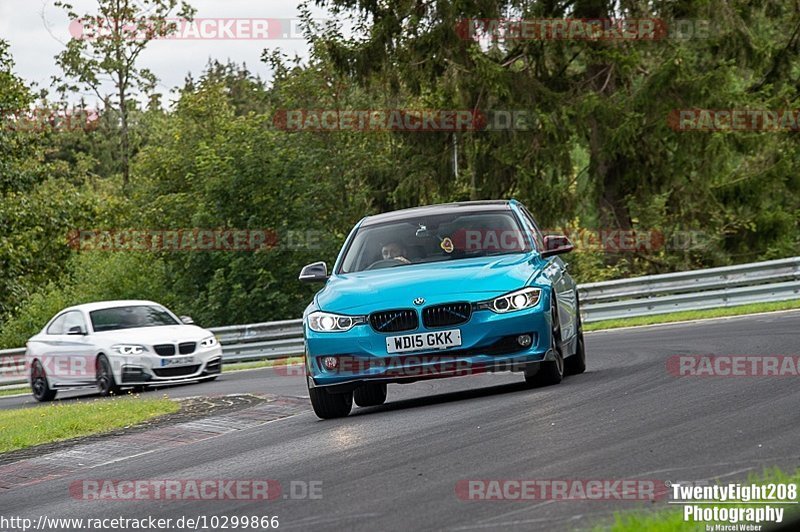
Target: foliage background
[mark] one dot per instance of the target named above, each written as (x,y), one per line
(601,155)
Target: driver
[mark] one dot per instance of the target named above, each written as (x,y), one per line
(396,251)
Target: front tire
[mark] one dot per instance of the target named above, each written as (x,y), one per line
(329,405)
(370,394)
(39,386)
(106,385)
(552,371)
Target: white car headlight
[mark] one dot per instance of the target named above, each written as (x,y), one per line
(129,349)
(211,341)
(518,300)
(327,322)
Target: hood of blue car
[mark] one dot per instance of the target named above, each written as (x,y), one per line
(437,282)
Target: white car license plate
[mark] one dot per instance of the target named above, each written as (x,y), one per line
(422,341)
(182,361)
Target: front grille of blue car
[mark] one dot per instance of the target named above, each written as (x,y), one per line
(394,320)
(446,315)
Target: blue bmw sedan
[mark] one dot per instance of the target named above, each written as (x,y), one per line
(440,291)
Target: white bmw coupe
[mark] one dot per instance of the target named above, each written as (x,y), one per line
(119,344)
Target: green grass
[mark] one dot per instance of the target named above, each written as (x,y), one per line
(261,364)
(62,421)
(689,315)
(671,519)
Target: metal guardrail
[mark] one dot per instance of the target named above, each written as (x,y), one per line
(775,280)
(12,365)
(256,341)
(758,282)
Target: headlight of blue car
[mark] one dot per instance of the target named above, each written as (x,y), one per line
(513,301)
(328,322)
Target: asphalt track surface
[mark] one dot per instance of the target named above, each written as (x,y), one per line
(396,467)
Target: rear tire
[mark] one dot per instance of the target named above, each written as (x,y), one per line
(329,405)
(370,394)
(106,385)
(576,363)
(39,387)
(551,371)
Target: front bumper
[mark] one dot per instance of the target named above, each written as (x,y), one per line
(488,344)
(148,369)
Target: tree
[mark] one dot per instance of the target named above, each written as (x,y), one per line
(601,151)
(110,42)
(15,148)
(247,93)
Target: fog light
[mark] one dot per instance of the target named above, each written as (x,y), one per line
(524,340)
(330,362)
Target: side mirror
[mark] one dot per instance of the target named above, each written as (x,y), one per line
(187,320)
(317,271)
(556,245)
(76,331)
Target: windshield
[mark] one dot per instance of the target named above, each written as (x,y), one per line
(110,319)
(433,238)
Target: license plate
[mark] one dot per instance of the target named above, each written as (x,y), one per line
(423,341)
(183,361)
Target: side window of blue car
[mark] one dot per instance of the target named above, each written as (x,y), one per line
(530,224)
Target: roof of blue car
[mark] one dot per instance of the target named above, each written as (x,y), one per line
(484,205)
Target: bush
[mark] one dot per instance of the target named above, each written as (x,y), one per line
(94,276)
